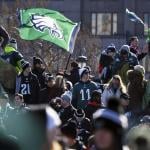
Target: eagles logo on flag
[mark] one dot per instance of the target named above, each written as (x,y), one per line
(49,25)
(41,23)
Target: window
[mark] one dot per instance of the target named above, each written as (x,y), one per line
(104,23)
(147,23)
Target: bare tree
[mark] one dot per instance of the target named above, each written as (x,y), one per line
(53,56)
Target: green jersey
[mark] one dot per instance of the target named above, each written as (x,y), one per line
(82,93)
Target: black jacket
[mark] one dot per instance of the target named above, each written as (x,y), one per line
(40,76)
(74,76)
(85,124)
(29,87)
(66,114)
(91,108)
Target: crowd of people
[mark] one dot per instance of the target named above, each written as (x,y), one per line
(73,111)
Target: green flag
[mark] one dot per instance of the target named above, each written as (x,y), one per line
(49,25)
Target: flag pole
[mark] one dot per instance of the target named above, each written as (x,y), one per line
(67,62)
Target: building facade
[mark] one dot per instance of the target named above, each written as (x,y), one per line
(106,19)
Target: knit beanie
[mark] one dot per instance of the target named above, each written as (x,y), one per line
(24,64)
(82,71)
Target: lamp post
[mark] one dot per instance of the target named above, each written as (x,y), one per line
(82,60)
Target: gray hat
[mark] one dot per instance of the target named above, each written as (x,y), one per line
(125,48)
(66,97)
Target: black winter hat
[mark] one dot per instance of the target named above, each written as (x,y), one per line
(37,60)
(111,48)
(82,71)
(24,64)
(69,130)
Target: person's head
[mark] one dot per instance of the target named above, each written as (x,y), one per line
(13,43)
(66,100)
(88,68)
(69,132)
(37,63)
(74,65)
(84,74)
(140,68)
(4,99)
(124,99)
(96,97)
(60,82)
(111,50)
(56,103)
(115,105)
(50,81)
(124,51)
(138,137)
(116,82)
(134,42)
(18,99)
(69,85)
(108,127)
(47,125)
(26,67)
(79,115)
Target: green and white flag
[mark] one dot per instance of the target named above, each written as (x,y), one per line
(49,25)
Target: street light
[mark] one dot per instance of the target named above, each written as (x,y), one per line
(82,60)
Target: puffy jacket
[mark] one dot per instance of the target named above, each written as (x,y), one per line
(13,57)
(119,62)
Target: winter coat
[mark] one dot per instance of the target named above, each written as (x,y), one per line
(91,108)
(13,57)
(29,87)
(40,76)
(85,124)
(74,76)
(118,62)
(136,90)
(47,94)
(104,61)
(106,74)
(82,93)
(108,92)
(66,114)
(121,66)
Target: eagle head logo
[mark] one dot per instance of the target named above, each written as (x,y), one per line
(41,23)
